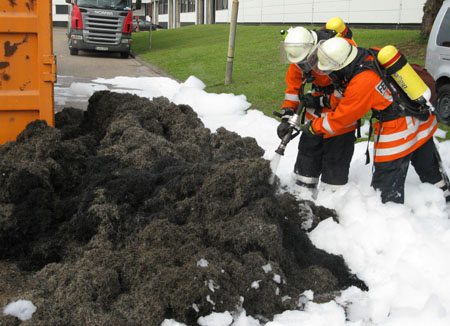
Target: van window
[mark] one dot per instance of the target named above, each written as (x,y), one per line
(443,37)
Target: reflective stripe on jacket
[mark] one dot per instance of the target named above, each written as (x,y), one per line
(294,77)
(367,91)
(402,136)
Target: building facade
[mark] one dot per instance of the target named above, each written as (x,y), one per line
(177,13)
(60,12)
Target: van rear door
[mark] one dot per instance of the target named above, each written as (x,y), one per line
(438,48)
(438,61)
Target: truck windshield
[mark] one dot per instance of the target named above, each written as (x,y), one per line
(105,4)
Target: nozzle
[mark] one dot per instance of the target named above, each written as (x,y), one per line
(294,121)
(280,149)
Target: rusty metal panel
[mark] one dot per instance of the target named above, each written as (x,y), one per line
(27,65)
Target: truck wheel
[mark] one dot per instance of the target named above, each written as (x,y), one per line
(73,51)
(443,104)
(124,55)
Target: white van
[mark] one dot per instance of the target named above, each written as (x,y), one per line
(438,61)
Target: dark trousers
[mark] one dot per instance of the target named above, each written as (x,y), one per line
(329,157)
(389,177)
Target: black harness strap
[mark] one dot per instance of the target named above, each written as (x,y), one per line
(370,135)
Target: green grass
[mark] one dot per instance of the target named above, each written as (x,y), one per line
(201,51)
(258,73)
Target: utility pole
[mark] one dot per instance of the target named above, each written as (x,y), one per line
(231,41)
(210,12)
(149,19)
(177,13)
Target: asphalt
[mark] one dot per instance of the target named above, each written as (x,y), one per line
(75,71)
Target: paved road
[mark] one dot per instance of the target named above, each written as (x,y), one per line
(86,67)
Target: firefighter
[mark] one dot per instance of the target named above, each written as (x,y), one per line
(400,137)
(327,158)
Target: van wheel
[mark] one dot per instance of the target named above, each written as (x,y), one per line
(124,55)
(73,51)
(443,104)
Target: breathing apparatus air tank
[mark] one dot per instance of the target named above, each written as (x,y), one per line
(404,75)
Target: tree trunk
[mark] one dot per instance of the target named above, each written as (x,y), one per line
(430,10)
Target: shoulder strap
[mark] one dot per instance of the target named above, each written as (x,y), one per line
(402,104)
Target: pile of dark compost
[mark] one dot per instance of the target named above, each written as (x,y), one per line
(133,212)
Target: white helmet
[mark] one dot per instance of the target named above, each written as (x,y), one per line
(335,54)
(298,43)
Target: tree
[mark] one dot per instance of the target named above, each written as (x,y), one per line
(430,10)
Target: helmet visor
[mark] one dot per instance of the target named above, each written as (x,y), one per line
(309,63)
(296,52)
(313,60)
(326,63)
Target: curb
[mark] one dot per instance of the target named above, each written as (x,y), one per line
(153,68)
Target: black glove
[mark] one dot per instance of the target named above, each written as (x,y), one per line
(308,129)
(325,101)
(311,101)
(316,102)
(283,127)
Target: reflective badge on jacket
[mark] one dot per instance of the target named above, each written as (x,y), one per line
(382,89)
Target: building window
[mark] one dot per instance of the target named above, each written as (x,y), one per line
(191,5)
(221,4)
(187,5)
(61,9)
(163,7)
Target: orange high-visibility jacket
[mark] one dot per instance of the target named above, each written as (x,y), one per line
(294,77)
(291,97)
(397,138)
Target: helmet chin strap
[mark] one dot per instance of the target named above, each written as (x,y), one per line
(337,78)
(304,65)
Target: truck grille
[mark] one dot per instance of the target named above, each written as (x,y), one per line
(102,29)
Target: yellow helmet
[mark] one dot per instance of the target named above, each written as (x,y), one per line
(336,24)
